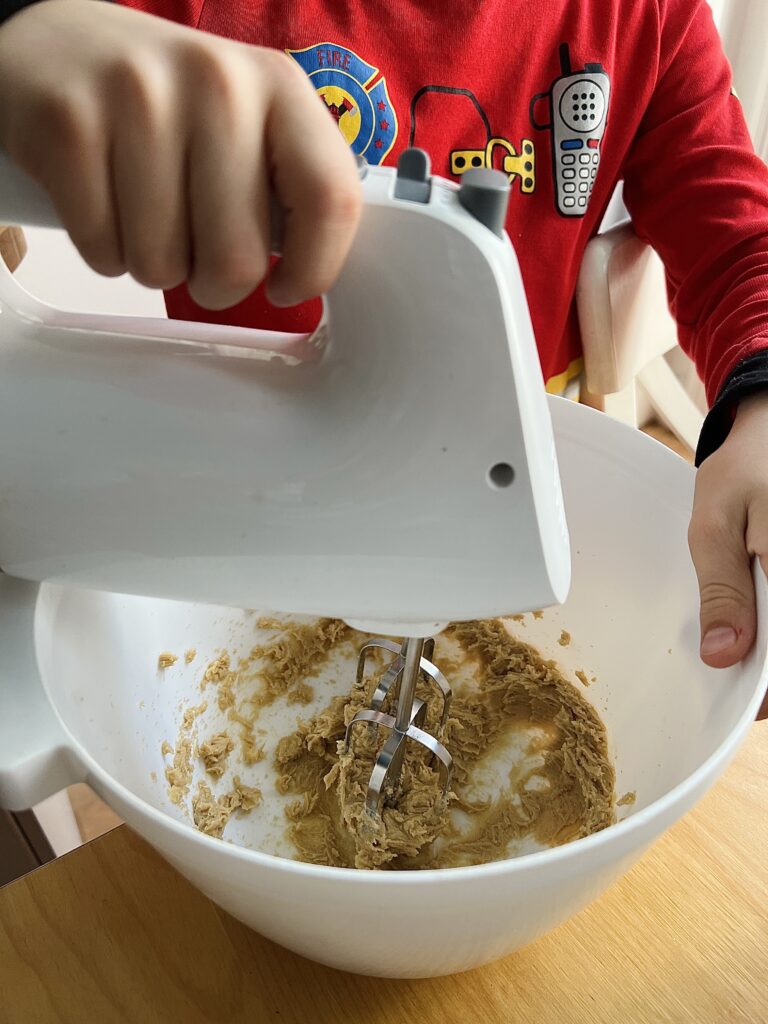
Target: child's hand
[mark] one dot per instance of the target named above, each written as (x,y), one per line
(728,526)
(158,144)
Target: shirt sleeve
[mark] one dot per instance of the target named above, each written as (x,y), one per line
(749,378)
(185,12)
(697,192)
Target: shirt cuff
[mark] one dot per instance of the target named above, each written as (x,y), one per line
(749,377)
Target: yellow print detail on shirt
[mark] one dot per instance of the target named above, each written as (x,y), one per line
(479,146)
(499,154)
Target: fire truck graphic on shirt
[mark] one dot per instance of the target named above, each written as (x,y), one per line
(355,95)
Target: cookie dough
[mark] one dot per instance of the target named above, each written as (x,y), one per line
(211,815)
(558,786)
(280,668)
(567,793)
(214,753)
(219,674)
(293,656)
(179,773)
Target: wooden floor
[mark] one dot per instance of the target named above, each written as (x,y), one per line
(668,438)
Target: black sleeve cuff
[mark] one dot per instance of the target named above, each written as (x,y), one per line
(749,377)
(11,7)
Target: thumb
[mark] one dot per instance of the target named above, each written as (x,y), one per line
(722,564)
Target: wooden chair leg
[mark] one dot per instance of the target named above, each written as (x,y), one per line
(671,402)
(57,820)
(13,246)
(623,405)
(620,406)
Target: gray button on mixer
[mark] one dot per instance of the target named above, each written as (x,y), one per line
(413,182)
(362,166)
(485,194)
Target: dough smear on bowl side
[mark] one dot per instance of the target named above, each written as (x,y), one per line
(270,672)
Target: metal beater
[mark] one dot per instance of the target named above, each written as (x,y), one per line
(412,660)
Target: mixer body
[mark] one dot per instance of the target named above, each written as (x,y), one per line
(399,471)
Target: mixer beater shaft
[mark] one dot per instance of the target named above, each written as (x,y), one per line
(406,723)
(428,670)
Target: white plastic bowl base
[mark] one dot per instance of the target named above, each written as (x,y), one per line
(673,726)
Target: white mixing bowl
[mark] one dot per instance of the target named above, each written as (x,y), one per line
(81,698)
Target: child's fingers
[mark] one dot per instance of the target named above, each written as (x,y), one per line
(316,181)
(718,547)
(68,153)
(159,145)
(228,189)
(148,158)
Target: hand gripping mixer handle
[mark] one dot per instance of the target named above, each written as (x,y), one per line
(24,202)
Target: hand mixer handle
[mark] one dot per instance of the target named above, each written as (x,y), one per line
(24,202)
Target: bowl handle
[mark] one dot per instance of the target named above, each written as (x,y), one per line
(36,757)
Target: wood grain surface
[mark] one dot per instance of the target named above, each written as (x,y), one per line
(13,246)
(110,933)
(92,815)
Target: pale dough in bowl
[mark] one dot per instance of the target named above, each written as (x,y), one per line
(531,762)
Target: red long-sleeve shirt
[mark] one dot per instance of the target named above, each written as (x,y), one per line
(569,97)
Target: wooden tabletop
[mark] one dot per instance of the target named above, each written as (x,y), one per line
(111,933)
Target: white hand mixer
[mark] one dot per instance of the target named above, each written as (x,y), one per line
(396,469)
